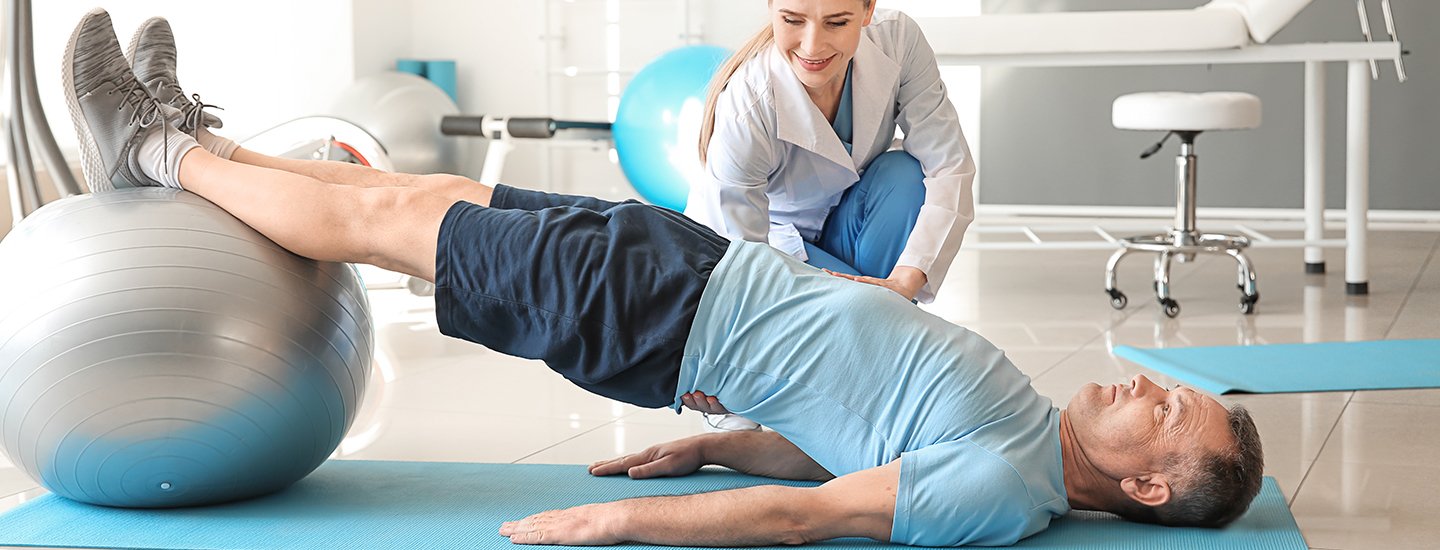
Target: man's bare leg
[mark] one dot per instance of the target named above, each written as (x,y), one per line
(395,228)
(344,173)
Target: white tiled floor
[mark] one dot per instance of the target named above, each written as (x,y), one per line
(1360,468)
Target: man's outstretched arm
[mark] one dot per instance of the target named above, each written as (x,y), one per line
(861,504)
(756,453)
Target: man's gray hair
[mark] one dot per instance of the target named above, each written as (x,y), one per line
(1216,488)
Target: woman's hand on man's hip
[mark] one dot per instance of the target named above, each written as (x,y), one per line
(904,280)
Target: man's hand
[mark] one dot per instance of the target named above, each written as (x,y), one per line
(756,453)
(676,458)
(707,404)
(904,280)
(588,525)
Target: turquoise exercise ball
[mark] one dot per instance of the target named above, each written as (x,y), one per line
(657,127)
(156,352)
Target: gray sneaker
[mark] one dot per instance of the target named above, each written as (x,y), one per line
(112,112)
(152,56)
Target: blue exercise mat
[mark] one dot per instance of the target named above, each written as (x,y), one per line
(361,504)
(1281,368)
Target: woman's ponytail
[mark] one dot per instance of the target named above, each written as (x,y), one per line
(750,50)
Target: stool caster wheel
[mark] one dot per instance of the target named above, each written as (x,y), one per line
(1117,299)
(1247,303)
(1171,307)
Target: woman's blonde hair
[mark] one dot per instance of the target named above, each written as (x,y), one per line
(750,50)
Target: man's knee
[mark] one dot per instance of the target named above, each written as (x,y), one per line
(451,185)
(396,227)
(443,181)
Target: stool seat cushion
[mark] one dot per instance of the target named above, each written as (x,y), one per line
(1186,111)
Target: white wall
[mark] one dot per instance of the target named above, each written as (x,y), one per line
(264,61)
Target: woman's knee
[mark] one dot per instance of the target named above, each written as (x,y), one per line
(900,176)
(896,161)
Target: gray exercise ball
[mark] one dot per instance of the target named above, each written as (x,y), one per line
(156,352)
(402,112)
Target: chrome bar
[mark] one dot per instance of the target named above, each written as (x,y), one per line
(1186,170)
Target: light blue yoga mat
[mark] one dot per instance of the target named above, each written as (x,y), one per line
(359,504)
(1280,368)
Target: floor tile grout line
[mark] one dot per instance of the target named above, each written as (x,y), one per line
(1113,324)
(564,441)
(635,412)
(1072,353)
(20,492)
(1419,276)
(1083,345)
(1301,485)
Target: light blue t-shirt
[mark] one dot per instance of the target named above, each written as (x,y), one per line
(856,376)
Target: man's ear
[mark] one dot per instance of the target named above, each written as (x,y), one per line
(1151,490)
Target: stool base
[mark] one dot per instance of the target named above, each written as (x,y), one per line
(1184,246)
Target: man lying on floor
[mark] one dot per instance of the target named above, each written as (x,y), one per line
(923,432)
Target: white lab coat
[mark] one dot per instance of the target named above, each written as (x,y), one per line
(776,169)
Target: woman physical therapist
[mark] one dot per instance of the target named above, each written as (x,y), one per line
(796,142)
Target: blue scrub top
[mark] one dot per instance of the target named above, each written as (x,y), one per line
(844,124)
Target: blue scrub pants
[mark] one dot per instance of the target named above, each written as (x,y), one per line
(867,231)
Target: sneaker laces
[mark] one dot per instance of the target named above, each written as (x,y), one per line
(194,111)
(145,110)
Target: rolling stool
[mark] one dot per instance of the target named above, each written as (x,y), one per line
(1185,115)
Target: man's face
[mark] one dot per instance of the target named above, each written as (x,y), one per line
(1128,430)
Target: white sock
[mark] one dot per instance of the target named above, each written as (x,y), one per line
(216,145)
(160,153)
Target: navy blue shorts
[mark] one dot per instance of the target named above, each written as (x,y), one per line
(604,293)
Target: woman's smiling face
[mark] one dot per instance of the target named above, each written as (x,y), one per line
(819,37)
